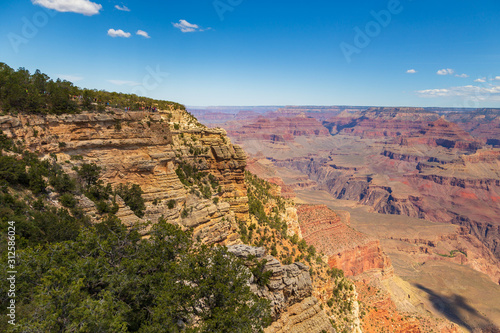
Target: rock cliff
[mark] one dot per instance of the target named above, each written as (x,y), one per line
(346,248)
(279,130)
(147,148)
(166,154)
(289,289)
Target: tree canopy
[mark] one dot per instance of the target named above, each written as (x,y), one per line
(36,93)
(74,276)
(110,279)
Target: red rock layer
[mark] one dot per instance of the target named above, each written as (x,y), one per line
(381,315)
(346,249)
(280,129)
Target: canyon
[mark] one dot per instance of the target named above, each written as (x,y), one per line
(391,209)
(161,152)
(422,182)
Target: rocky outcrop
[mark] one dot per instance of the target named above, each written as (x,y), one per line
(146,148)
(406,127)
(345,248)
(289,290)
(279,130)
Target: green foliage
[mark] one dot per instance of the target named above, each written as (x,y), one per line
(5,143)
(13,171)
(171,203)
(311,250)
(21,91)
(38,224)
(109,279)
(259,194)
(67,200)
(189,175)
(336,273)
(118,125)
(261,277)
(62,182)
(452,254)
(132,195)
(302,245)
(89,173)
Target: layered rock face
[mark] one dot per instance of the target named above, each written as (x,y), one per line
(279,129)
(289,289)
(406,128)
(482,123)
(146,148)
(463,190)
(346,249)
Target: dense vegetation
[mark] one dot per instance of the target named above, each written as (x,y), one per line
(36,93)
(74,276)
(111,280)
(30,179)
(259,194)
(271,230)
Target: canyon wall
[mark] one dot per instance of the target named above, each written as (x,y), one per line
(345,248)
(146,149)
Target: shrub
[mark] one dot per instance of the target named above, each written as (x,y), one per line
(67,200)
(171,203)
(89,173)
(132,195)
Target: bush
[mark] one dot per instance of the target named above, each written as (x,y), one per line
(99,281)
(132,195)
(261,277)
(67,200)
(13,171)
(171,203)
(62,183)
(89,173)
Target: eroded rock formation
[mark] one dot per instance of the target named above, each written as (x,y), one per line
(146,148)
(345,248)
(289,289)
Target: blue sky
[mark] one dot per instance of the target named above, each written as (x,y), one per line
(242,52)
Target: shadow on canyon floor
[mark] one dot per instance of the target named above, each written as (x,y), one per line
(456,309)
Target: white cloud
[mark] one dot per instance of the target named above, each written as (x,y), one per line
(84,7)
(143,33)
(71,78)
(124,83)
(462,75)
(122,8)
(411,71)
(497,78)
(446,71)
(118,33)
(185,26)
(480,80)
(478,93)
